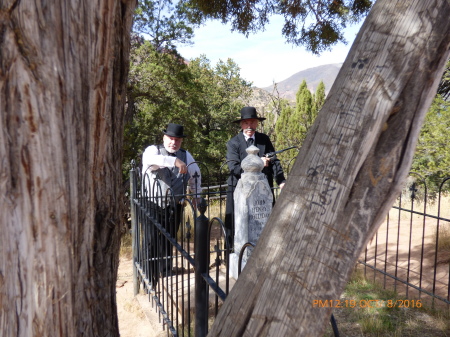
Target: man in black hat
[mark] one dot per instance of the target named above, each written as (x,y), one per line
(170,155)
(168,167)
(236,152)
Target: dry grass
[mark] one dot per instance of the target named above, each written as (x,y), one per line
(444,238)
(125,245)
(431,208)
(133,307)
(385,318)
(444,243)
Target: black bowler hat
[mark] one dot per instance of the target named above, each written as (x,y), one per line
(174,130)
(248,112)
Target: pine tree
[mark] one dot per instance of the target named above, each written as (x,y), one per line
(283,131)
(294,122)
(318,99)
(432,159)
(302,119)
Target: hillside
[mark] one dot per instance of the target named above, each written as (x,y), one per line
(288,87)
(260,99)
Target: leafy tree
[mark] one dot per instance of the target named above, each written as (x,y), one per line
(432,158)
(203,98)
(303,116)
(165,24)
(160,90)
(219,92)
(317,25)
(282,125)
(64,66)
(318,98)
(163,87)
(159,83)
(294,123)
(340,189)
(56,104)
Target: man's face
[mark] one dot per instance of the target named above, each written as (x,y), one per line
(172,144)
(249,126)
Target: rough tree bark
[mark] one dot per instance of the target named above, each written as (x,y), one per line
(347,174)
(63,70)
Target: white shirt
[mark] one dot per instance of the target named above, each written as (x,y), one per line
(152,160)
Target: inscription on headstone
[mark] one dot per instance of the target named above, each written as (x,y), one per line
(257,216)
(252,207)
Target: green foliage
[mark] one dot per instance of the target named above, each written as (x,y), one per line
(294,122)
(158,93)
(432,158)
(283,124)
(317,25)
(218,95)
(166,24)
(304,115)
(163,87)
(318,98)
(205,99)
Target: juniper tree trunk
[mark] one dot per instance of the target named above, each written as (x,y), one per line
(63,69)
(348,173)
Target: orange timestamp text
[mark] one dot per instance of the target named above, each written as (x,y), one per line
(367,303)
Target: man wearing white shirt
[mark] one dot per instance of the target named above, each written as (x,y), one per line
(168,166)
(169,162)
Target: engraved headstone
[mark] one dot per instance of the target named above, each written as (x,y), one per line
(252,207)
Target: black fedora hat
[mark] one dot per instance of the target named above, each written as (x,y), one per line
(174,130)
(248,112)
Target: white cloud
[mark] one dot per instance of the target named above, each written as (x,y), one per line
(263,57)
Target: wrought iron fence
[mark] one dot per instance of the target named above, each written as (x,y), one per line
(173,265)
(188,282)
(410,253)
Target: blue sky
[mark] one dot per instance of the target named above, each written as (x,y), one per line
(264,57)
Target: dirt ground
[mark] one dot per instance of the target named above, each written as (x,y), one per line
(136,316)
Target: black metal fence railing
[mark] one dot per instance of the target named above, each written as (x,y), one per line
(179,252)
(173,245)
(410,253)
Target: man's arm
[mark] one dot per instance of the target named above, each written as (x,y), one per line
(278,173)
(152,159)
(233,158)
(276,167)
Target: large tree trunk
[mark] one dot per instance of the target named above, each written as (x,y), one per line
(347,175)
(62,88)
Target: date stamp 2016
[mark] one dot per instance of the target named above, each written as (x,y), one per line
(367,303)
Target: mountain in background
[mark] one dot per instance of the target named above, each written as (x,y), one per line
(261,97)
(289,87)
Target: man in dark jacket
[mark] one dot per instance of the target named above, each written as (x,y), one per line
(236,152)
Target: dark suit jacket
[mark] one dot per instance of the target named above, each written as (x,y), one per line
(236,147)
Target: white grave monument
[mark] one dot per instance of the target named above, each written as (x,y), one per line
(252,207)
